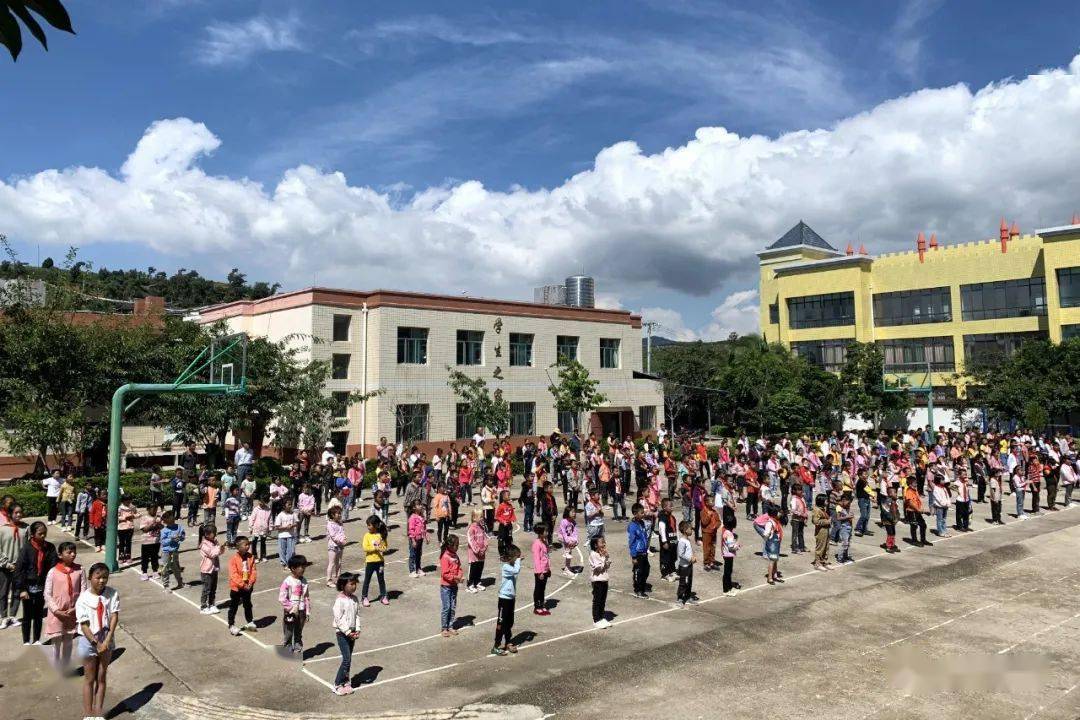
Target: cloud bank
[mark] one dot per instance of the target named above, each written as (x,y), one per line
(688,219)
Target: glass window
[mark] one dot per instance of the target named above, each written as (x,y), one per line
(829,355)
(567,421)
(339,366)
(340,438)
(912,307)
(341,404)
(1003,299)
(566,347)
(463,427)
(470,347)
(412,346)
(341,327)
(609,353)
(522,418)
(411,423)
(521,350)
(912,354)
(813,311)
(774,313)
(647,417)
(1069,286)
(1068,332)
(990,347)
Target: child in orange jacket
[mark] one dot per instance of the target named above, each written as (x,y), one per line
(242,575)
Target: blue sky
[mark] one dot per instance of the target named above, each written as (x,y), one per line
(420,104)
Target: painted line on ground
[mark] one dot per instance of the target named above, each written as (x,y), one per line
(1046,629)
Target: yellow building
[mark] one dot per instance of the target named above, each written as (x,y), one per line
(935,307)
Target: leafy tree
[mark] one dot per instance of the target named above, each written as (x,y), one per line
(575,392)
(1035,385)
(309,414)
(52,11)
(685,369)
(47,263)
(863,389)
(486,411)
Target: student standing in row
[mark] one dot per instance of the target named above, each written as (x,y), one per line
(504,625)
(541,569)
(686,560)
(478,541)
(335,545)
(209,566)
(638,542)
(450,576)
(242,576)
(346,613)
(374,544)
(171,537)
(729,547)
(36,557)
(97,612)
(149,542)
(63,585)
(295,603)
(600,564)
(822,523)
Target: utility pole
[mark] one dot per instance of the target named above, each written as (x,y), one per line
(648,344)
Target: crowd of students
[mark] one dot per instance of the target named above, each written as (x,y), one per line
(784,485)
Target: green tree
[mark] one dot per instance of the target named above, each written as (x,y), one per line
(488,411)
(1034,385)
(310,414)
(575,392)
(52,11)
(863,388)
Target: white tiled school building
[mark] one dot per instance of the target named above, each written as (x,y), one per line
(403,344)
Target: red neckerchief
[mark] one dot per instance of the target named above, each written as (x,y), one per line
(101,613)
(39,546)
(62,568)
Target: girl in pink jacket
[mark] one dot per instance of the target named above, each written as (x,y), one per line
(335,545)
(478,541)
(569,536)
(541,569)
(259,528)
(417,533)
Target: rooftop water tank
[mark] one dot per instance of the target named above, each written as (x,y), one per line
(580,291)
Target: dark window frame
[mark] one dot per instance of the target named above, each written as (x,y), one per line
(335,327)
(561,341)
(825,310)
(606,362)
(913,307)
(1020,297)
(413,417)
(829,355)
(470,347)
(911,354)
(1068,281)
(521,344)
(523,418)
(339,369)
(412,344)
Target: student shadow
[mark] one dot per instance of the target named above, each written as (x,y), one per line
(391,551)
(430,568)
(487,582)
(394,594)
(265,622)
(610,615)
(551,603)
(464,621)
(134,703)
(366,676)
(526,636)
(913,543)
(317,650)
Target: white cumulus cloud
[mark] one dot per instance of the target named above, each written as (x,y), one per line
(688,219)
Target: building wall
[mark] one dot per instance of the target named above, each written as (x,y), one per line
(427,384)
(953,266)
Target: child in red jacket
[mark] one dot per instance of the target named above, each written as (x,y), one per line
(98,513)
(504,515)
(450,576)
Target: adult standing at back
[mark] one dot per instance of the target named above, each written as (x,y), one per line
(244,461)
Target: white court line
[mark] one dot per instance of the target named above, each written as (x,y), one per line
(439,634)
(1032,637)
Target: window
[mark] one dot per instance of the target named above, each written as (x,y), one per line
(340,438)
(463,425)
(567,421)
(341,327)
(521,350)
(814,311)
(647,417)
(912,354)
(339,366)
(912,307)
(1003,299)
(566,347)
(944,395)
(991,347)
(774,313)
(1068,332)
(470,347)
(829,355)
(1069,286)
(609,353)
(412,346)
(411,423)
(522,418)
(341,404)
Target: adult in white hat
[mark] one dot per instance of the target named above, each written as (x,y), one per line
(328,455)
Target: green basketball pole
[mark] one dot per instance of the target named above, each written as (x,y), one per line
(137,391)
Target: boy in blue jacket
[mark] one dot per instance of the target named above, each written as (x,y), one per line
(638,540)
(171,537)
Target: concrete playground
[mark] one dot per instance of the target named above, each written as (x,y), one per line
(981,623)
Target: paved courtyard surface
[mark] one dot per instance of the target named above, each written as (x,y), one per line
(983,623)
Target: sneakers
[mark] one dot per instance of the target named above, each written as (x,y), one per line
(206,611)
(4,622)
(144,577)
(641,595)
(420,573)
(413,574)
(365,602)
(568,573)
(343,690)
(541,611)
(731,593)
(472,589)
(233,630)
(249,626)
(497,651)
(213,610)
(384,601)
(602,624)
